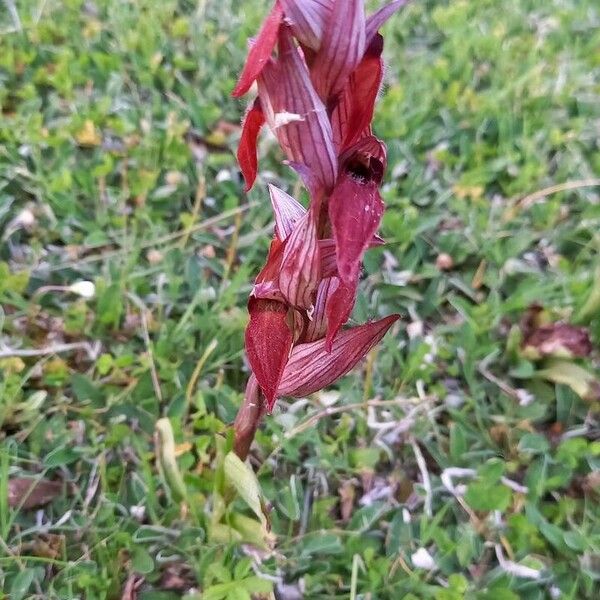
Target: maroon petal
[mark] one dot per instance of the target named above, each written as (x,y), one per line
(352,116)
(342,48)
(355,209)
(301,264)
(246,153)
(288,211)
(260,52)
(311,367)
(268,344)
(378,18)
(308,19)
(296,114)
(271,269)
(339,308)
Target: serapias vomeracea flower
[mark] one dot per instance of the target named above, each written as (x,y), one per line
(318,69)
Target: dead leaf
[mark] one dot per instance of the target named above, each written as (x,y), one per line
(132,585)
(45,545)
(177,577)
(88,135)
(347,494)
(560,340)
(27,492)
(474,192)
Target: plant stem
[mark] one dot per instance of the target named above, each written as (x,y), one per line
(248,417)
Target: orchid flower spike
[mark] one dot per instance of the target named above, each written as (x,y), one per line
(318,68)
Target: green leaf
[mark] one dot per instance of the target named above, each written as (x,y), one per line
(325,543)
(491,471)
(534,443)
(243,479)
(21,584)
(141,561)
(485,497)
(61,456)
(168,460)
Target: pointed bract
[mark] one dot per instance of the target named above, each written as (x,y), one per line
(311,367)
(268,344)
(261,51)
(246,153)
(288,211)
(301,265)
(341,50)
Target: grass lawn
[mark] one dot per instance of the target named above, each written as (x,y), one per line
(460,461)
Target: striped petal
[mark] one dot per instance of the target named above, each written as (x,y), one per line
(301,265)
(260,52)
(378,18)
(328,257)
(342,48)
(268,344)
(317,326)
(288,211)
(311,367)
(308,19)
(246,153)
(296,114)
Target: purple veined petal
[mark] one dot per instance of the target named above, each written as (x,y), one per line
(379,17)
(288,211)
(308,19)
(311,367)
(301,265)
(355,210)
(260,52)
(296,114)
(341,50)
(328,257)
(317,326)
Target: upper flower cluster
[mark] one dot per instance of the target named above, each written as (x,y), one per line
(318,68)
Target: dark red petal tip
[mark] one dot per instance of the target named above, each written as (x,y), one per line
(246,153)
(260,52)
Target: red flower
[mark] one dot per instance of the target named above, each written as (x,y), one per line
(318,68)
